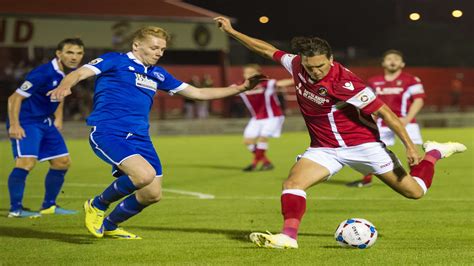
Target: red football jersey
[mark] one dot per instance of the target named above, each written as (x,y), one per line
(399,93)
(262,101)
(337,109)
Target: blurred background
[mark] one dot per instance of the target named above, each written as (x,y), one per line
(435,35)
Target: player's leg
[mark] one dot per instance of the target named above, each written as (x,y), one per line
(16,187)
(25,152)
(315,166)
(271,129)
(415,184)
(135,203)
(129,207)
(137,173)
(251,133)
(260,153)
(120,150)
(387,137)
(53,149)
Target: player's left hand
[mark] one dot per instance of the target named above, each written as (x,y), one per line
(59,93)
(254,81)
(413,156)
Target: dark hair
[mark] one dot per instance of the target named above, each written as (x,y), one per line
(73,41)
(393,51)
(311,46)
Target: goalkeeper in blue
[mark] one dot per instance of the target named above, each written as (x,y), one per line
(124,90)
(33,126)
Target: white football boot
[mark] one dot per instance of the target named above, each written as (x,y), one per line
(446,149)
(280,241)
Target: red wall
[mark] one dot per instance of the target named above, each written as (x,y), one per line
(437,82)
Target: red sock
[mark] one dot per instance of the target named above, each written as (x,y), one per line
(367,178)
(423,174)
(424,171)
(258,155)
(265,159)
(293,207)
(432,156)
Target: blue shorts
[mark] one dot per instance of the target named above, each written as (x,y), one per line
(43,141)
(115,147)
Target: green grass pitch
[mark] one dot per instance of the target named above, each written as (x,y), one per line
(184,229)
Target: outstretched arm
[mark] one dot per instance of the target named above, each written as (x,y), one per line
(285,82)
(64,88)
(394,123)
(194,93)
(258,46)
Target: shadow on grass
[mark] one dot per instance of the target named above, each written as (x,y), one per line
(28,233)
(207,166)
(238,235)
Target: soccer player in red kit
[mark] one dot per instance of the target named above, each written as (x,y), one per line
(267,116)
(337,108)
(404,94)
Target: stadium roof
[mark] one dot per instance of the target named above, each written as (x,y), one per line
(143,9)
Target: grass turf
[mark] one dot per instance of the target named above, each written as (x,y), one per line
(183,229)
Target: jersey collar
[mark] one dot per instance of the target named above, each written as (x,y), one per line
(55,64)
(131,56)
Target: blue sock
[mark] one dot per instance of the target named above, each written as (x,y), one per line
(120,188)
(53,182)
(16,187)
(128,208)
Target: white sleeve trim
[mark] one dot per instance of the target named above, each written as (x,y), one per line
(23,93)
(93,68)
(181,87)
(416,89)
(363,98)
(286,61)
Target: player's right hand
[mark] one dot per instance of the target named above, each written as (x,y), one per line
(223,23)
(59,93)
(16,132)
(413,156)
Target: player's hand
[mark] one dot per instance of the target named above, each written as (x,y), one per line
(58,123)
(414,157)
(16,132)
(254,81)
(224,24)
(59,93)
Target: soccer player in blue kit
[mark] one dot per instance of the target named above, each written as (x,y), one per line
(125,86)
(33,123)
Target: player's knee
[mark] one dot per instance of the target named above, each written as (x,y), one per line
(26,163)
(145,177)
(61,163)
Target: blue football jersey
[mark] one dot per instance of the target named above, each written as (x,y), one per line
(37,106)
(124,92)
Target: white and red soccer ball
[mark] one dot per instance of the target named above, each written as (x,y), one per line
(356,233)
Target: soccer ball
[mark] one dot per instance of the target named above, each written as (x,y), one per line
(356,233)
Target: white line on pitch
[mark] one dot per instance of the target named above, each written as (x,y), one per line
(175,191)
